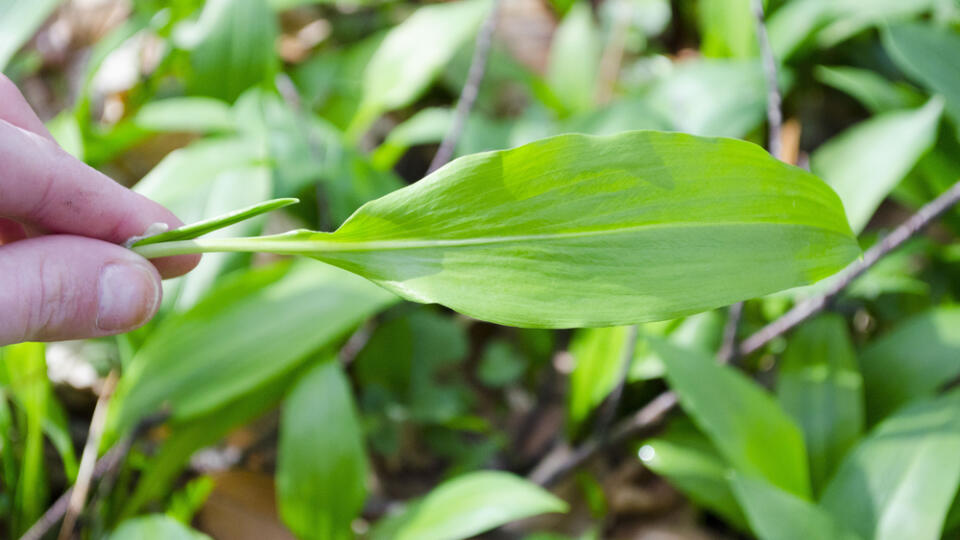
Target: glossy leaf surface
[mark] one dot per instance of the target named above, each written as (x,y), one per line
(588,231)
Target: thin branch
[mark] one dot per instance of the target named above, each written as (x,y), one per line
(774,115)
(110,461)
(88,460)
(728,350)
(471,89)
(560,462)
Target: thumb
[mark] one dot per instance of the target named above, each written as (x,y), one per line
(68,287)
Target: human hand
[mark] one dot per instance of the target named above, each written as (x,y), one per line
(68,278)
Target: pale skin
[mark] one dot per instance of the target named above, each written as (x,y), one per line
(64,273)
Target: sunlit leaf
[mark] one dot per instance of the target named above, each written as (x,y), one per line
(321,464)
(574,58)
(688,460)
(474,503)
(911,361)
(899,482)
(778,515)
(588,231)
(820,386)
(742,420)
(864,163)
(155,527)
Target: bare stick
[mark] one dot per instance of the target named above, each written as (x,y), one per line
(561,461)
(468,96)
(774,116)
(88,460)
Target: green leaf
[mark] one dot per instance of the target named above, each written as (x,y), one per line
(321,464)
(598,354)
(742,420)
(19,21)
(820,386)
(864,163)
(725,98)
(928,53)
(195,230)
(427,126)
(692,464)
(587,231)
(412,55)
(903,476)
(728,28)
(574,59)
(875,92)
(257,326)
(231,47)
(913,360)
(155,527)
(201,114)
(23,370)
(777,515)
(474,503)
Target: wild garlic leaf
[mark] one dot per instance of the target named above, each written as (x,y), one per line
(200,228)
(579,231)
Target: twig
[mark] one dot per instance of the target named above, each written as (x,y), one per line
(88,460)
(471,88)
(774,115)
(806,309)
(110,461)
(559,462)
(728,350)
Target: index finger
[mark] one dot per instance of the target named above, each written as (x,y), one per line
(42,185)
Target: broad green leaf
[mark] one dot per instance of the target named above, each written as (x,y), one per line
(903,476)
(864,163)
(474,503)
(742,420)
(321,464)
(627,114)
(725,98)
(200,228)
(231,47)
(501,364)
(598,354)
(875,92)
(201,114)
(701,332)
(911,361)
(155,527)
(820,386)
(587,231)
(574,59)
(728,28)
(19,20)
(777,515)
(928,53)
(257,326)
(692,464)
(412,54)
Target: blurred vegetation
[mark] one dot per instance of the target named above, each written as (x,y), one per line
(275,398)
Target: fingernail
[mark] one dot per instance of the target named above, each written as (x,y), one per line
(129,294)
